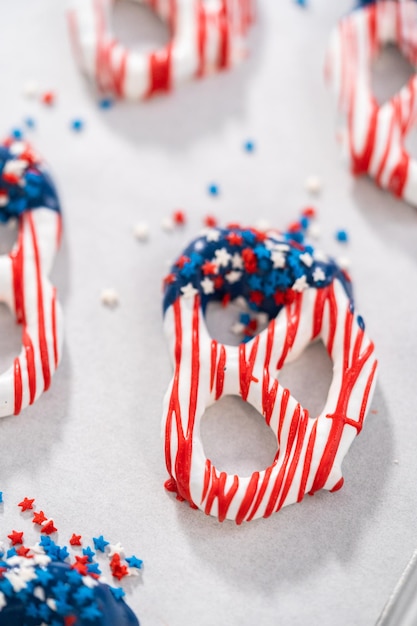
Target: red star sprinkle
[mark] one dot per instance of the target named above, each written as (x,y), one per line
(209,268)
(16,537)
(39,518)
(256,297)
(169,279)
(179,217)
(10,178)
(70,620)
(234,239)
(260,236)
(22,551)
(249,260)
(48,98)
(210,221)
(49,528)
(182,261)
(218,282)
(309,211)
(226,299)
(26,504)
(233,225)
(75,540)
(118,570)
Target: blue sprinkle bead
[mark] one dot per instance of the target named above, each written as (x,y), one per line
(213,189)
(342,236)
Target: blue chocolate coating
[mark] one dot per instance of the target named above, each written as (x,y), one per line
(35,189)
(76,603)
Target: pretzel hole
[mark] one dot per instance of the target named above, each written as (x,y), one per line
(8,236)
(309,377)
(233,323)
(139,27)
(10,338)
(236,437)
(390,72)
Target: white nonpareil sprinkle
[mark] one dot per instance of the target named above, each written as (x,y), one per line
(30,89)
(109,297)
(167,224)
(141,231)
(313,185)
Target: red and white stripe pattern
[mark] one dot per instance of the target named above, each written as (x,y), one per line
(310,451)
(26,289)
(373,135)
(206,36)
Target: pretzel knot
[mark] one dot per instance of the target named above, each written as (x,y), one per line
(305,296)
(28,194)
(205,37)
(373,136)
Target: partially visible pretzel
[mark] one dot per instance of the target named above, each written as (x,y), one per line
(28,194)
(306,296)
(206,36)
(373,135)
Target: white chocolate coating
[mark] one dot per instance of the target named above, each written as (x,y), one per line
(206,37)
(373,135)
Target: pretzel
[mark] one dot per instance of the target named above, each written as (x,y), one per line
(306,297)
(205,37)
(28,194)
(373,135)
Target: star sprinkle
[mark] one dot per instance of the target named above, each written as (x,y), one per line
(222,257)
(39,518)
(75,540)
(141,231)
(26,504)
(109,297)
(208,286)
(100,543)
(167,224)
(313,185)
(49,528)
(16,537)
(134,562)
(188,291)
(116,548)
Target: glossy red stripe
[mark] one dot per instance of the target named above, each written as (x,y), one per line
(18,387)
(30,364)
(43,346)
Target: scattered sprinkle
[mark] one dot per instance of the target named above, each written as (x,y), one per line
(106,103)
(167,224)
(210,221)
(213,189)
(179,217)
(75,540)
(313,185)
(48,98)
(30,89)
(30,122)
(342,236)
(249,146)
(141,231)
(26,504)
(77,125)
(109,297)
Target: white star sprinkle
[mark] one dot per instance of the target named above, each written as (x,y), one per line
(307,259)
(116,548)
(213,235)
(188,291)
(41,559)
(207,285)
(318,275)
(233,277)
(30,89)
(237,261)
(313,184)
(262,225)
(133,571)
(238,328)
(15,166)
(16,580)
(109,297)
(300,284)
(167,224)
(222,257)
(278,259)
(89,582)
(314,231)
(3,600)
(39,593)
(262,319)
(141,231)
(51,603)
(4,199)
(17,148)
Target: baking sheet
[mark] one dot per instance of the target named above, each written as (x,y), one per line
(90,450)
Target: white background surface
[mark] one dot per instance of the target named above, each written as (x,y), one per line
(90,450)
